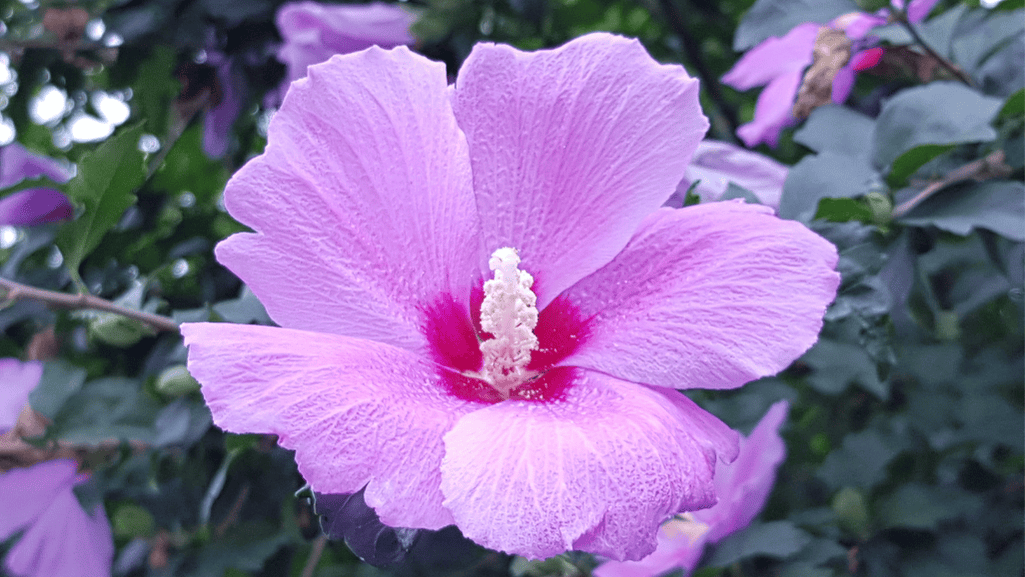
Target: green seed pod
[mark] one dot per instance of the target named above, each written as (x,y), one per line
(176,381)
(130,521)
(116,330)
(849,506)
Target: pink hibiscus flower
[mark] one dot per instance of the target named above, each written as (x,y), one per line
(743,487)
(313,32)
(779,64)
(58,538)
(34,205)
(535,411)
(717,164)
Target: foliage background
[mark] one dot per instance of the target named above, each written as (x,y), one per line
(905,436)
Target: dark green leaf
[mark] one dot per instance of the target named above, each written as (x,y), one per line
(910,161)
(59,383)
(981,36)
(243,310)
(245,547)
(917,506)
(1014,106)
(998,206)
(860,462)
(837,129)
(826,175)
(938,31)
(837,364)
(105,186)
(937,113)
(843,210)
(775,539)
(776,17)
(107,409)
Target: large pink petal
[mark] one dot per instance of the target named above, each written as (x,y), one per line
(711,296)
(64,541)
(356,412)
(597,470)
(26,493)
(362,202)
(681,543)
(572,147)
(744,485)
(17,379)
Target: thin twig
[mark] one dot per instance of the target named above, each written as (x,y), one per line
(315,552)
(902,17)
(692,52)
(991,166)
(233,514)
(13,291)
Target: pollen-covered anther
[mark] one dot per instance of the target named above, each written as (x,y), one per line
(509,314)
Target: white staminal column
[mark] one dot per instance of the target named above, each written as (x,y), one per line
(509,313)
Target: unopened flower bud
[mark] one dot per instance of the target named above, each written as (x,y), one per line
(176,381)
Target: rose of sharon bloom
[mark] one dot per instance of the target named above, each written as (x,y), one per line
(779,63)
(313,32)
(716,164)
(57,537)
(226,104)
(484,312)
(35,205)
(743,487)
(17,379)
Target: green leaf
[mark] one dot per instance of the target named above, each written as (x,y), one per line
(837,129)
(993,205)
(909,162)
(938,31)
(778,539)
(939,113)
(106,409)
(837,364)
(60,381)
(826,175)
(777,17)
(917,506)
(105,186)
(982,36)
(1014,106)
(843,210)
(860,462)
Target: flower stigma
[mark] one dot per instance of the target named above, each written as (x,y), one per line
(509,313)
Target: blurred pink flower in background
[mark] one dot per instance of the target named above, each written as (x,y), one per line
(716,164)
(742,487)
(227,101)
(313,32)
(57,537)
(34,205)
(779,64)
(536,413)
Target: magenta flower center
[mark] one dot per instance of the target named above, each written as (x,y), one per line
(508,349)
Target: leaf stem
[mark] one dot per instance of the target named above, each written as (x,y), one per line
(13,291)
(901,16)
(991,166)
(315,552)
